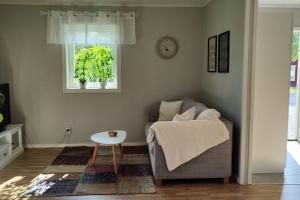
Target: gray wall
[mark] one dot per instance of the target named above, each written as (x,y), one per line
(297,18)
(34,71)
(224,90)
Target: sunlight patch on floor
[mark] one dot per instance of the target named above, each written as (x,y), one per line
(11,190)
(14,189)
(38,185)
(294,149)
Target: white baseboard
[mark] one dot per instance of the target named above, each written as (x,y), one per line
(77,144)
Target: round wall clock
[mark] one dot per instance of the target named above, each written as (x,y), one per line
(166,47)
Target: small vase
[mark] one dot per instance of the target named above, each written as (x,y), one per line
(103,84)
(82,85)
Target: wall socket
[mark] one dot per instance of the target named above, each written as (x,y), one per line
(69,131)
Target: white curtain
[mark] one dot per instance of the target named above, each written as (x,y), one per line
(65,27)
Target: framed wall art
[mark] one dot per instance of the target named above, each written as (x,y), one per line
(212,54)
(223,52)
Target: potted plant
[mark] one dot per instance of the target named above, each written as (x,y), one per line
(94,64)
(102,63)
(81,76)
(81,68)
(104,75)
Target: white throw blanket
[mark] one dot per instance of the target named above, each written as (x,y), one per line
(183,140)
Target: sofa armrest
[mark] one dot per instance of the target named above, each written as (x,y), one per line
(229,126)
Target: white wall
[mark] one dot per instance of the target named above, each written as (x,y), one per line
(271,91)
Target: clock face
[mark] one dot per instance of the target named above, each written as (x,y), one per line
(167,47)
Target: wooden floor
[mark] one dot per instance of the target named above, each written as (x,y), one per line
(20,172)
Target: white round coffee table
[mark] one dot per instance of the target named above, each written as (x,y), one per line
(105,139)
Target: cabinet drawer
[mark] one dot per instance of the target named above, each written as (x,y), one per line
(4,151)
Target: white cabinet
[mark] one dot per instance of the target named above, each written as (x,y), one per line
(10,144)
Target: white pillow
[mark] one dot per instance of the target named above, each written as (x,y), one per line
(209,114)
(187,115)
(168,110)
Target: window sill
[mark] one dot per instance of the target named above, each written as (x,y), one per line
(85,91)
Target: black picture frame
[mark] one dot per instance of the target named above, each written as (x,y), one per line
(212,54)
(223,52)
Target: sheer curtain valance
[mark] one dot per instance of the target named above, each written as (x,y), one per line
(67,27)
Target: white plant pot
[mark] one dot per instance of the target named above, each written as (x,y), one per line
(103,84)
(82,86)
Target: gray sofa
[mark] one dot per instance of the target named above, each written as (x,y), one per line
(214,163)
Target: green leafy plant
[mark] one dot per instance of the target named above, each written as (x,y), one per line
(103,62)
(82,61)
(94,63)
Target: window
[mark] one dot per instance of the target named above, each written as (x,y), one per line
(94,71)
(91,68)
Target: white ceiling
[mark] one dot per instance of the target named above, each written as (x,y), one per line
(146,3)
(280,3)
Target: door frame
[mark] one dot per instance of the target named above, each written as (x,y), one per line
(297,29)
(245,164)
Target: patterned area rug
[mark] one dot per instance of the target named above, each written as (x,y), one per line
(71,173)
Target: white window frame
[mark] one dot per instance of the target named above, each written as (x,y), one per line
(65,73)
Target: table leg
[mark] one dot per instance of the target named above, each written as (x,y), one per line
(121,150)
(95,153)
(114,158)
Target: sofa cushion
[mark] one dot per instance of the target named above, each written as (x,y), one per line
(168,110)
(208,114)
(187,115)
(189,103)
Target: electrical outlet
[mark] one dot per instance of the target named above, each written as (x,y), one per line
(68,131)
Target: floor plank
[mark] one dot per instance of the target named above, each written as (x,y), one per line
(21,171)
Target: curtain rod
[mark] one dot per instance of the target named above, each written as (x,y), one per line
(43,13)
